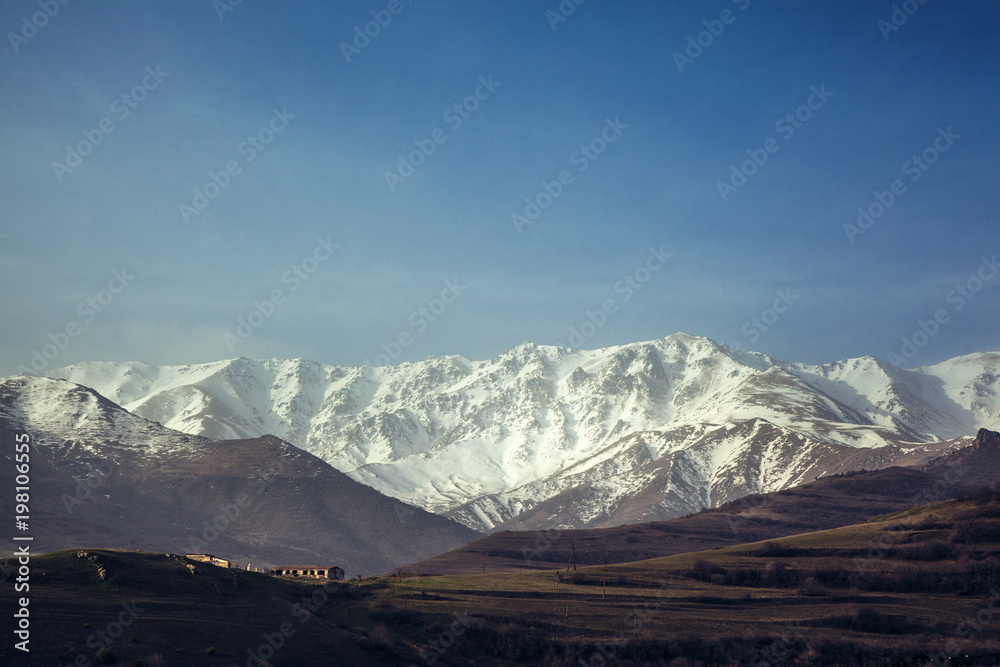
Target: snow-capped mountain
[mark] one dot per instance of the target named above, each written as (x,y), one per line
(663,427)
(101,476)
(79,428)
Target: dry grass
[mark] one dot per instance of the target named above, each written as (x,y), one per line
(735,604)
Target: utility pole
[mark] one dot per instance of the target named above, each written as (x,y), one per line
(572,557)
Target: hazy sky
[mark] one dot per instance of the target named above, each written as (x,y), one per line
(167,168)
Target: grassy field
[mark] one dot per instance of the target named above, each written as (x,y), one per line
(897,590)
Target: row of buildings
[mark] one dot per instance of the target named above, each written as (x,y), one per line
(314,571)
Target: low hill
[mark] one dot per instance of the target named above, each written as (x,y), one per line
(829,502)
(161,609)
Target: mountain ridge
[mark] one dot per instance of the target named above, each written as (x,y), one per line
(484,441)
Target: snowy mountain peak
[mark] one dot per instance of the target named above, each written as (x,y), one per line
(78,424)
(497,436)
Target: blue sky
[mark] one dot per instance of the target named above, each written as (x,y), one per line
(660,133)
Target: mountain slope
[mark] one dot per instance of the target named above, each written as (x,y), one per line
(484,441)
(102,476)
(829,502)
(976,465)
(720,465)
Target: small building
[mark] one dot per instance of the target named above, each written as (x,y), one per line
(213,560)
(315,571)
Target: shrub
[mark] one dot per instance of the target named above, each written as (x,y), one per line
(738,576)
(380,635)
(871,621)
(390,615)
(981,496)
(511,642)
(837,578)
(703,570)
(781,575)
(811,587)
(106,657)
(772,550)
(932,523)
(969,530)
(210,650)
(928,551)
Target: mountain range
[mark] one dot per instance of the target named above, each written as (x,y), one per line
(541,437)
